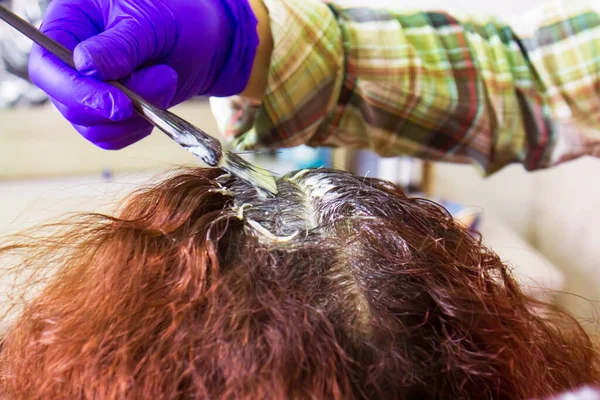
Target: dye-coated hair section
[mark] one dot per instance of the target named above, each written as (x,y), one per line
(340,287)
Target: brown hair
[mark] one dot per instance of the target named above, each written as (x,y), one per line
(338,288)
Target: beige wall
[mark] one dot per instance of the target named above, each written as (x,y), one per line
(565,226)
(38,142)
(507,194)
(557,210)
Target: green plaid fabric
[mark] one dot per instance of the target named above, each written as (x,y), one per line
(428,84)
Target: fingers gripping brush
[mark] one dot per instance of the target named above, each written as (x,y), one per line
(205,147)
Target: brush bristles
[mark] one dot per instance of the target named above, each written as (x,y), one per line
(248,172)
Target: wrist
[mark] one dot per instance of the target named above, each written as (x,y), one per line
(257,82)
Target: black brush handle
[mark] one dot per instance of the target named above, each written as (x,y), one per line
(204,146)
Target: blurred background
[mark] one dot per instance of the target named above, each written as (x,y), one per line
(544,224)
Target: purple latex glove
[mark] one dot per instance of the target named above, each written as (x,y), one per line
(165,50)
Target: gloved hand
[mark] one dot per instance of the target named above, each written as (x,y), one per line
(165,50)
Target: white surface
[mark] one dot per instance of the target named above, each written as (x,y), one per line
(536,274)
(506,194)
(566,227)
(27,203)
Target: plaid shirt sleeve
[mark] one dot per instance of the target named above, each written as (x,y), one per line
(428,84)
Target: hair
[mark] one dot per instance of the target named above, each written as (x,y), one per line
(339,287)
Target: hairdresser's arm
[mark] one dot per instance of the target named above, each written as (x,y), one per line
(166,51)
(423,84)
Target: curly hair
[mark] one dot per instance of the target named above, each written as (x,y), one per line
(339,287)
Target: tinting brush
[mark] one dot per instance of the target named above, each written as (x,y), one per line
(205,147)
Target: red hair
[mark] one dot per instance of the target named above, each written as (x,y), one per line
(358,292)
